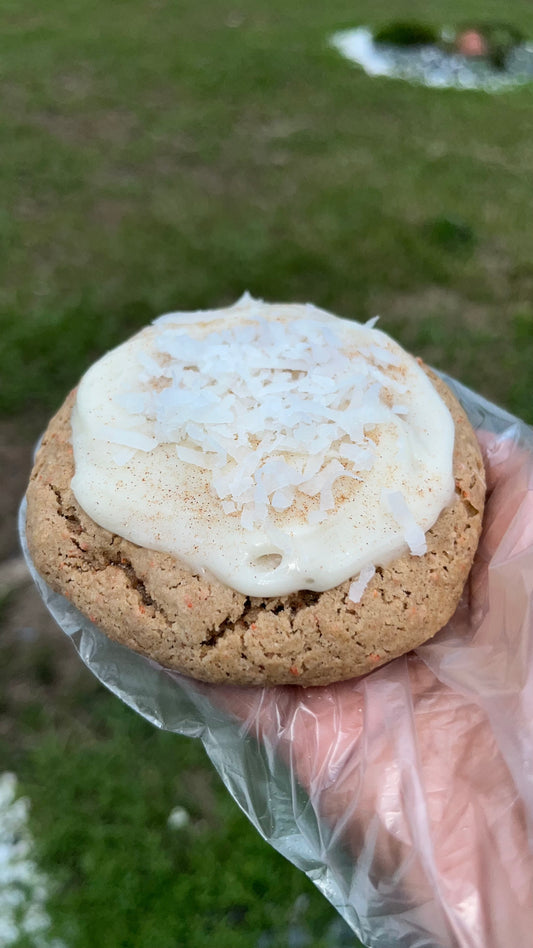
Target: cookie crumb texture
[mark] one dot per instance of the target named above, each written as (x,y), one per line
(151,603)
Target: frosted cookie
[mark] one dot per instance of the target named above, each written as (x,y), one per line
(264,494)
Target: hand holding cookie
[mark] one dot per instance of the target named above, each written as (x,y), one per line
(426,781)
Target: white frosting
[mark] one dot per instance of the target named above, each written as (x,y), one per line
(276,447)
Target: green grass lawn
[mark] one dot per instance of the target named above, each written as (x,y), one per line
(103,784)
(156,157)
(163,155)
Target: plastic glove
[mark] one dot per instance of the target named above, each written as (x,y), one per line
(406,795)
(405,765)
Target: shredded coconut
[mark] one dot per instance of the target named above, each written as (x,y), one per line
(357,588)
(273,410)
(413,534)
(233,438)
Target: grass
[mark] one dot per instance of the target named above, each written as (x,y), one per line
(103,784)
(153,161)
(124,875)
(156,157)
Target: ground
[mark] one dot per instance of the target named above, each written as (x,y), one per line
(36,653)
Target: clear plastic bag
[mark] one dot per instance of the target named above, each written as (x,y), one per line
(407,795)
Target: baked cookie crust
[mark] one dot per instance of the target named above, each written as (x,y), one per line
(152,603)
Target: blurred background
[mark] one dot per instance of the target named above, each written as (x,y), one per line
(164,155)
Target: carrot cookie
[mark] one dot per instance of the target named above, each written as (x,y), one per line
(265,494)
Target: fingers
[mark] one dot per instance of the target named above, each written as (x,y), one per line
(407,772)
(408,775)
(502,454)
(508,522)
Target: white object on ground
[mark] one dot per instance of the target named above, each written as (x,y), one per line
(178,818)
(431,66)
(23,887)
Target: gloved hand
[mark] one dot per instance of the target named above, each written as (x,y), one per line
(406,795)
(423,768)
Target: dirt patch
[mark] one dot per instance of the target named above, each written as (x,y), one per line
(16,454)
(436,301)
(39,665)
(41,662)
(112,128)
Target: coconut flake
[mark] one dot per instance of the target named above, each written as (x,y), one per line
(248,517)
(384,356)
(413,534)
(270,407)
(282,499)
(324,479)
(152,367)
(228,506)
(122,456)
(358,586)
(361,457)
(127,438)
(192,456)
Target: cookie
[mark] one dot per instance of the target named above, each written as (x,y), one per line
(186,618)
